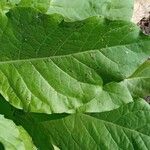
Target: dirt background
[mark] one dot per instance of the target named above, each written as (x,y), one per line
(141,9)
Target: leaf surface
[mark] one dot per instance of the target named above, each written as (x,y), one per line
(124,128)
(14,137)
(50,66)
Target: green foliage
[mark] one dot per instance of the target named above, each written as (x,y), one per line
(14,137)
(73,75)
(77,9)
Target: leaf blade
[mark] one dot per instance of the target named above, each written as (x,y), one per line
(39,77)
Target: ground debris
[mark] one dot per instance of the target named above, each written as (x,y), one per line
(147,99)
(144,24)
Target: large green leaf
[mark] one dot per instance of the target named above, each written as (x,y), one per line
(124,128)
(14,137)
(77,9)
(50,66)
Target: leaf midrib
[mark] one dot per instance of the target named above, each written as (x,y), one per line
(59,56)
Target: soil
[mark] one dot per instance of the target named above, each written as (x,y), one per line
(148,99)
(141,10)
(141,15)
(144,24)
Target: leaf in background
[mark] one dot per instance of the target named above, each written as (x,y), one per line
(126,128)
(29,122)
(77,9)
(50,66)
(6,5)
(41,5)
(14,137)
